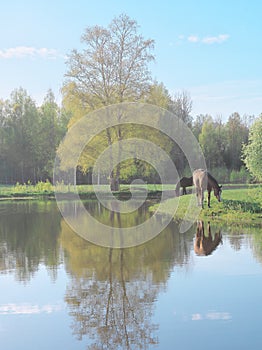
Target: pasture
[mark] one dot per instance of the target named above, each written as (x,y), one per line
(240,205)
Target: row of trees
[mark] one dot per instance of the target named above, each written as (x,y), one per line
(29,137)
(113,68)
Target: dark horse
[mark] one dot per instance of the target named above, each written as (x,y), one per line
(204,181)
(184,182)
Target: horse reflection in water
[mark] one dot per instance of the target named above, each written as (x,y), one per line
(205,245)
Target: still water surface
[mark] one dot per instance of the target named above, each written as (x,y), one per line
(177,291)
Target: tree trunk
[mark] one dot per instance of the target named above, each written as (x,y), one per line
(114,182)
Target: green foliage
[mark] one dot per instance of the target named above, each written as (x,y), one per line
(222,142)
(29,137)
(236,135)
(39,188)
(242,206)
(241,176)
(252,152)
(211,140)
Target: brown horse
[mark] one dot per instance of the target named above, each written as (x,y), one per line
(204,181)
(184,182)
(205,245)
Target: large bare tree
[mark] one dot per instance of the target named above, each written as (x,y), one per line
(112,68)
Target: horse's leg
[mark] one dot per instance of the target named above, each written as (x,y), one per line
(202,198)
(208,197)
(184,190)
(197,194)
(209,230)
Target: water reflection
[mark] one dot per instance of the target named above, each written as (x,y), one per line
(109,228)
(111,294)
(28,238)
(112,291)
(205,244)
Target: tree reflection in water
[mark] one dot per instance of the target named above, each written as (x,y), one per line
(28,238)
(115,313)
(112,292)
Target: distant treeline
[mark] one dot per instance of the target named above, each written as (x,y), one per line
(30,135)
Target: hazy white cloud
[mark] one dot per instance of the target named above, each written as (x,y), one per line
(29,52)
(193,38)
(218,39)
(196,317)
(212,316)
(215,39)
(25,309)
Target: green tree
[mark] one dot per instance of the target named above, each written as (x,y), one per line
(21,123)
(52,127)
(237,134)
(3,145)
(252,151)
(112,68)
(198,124)
(158,95)
(210,142)
(29,137)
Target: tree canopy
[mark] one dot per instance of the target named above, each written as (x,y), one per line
(252,151)
(112,68)
(29,137)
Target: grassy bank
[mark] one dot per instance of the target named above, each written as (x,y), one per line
(47,190)
(240,206)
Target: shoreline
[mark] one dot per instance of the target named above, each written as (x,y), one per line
(241,205)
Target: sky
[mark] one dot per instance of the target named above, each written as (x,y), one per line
(210,49)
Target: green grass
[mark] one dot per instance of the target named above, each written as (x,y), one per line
(240,206)
(47,189)
(26,190)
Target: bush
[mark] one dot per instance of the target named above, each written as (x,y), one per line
(241,176)
(28,188)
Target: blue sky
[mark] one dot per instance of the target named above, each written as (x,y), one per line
(211,49)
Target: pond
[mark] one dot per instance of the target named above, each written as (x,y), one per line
(177,291)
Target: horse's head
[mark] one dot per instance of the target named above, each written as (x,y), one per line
(218,193)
